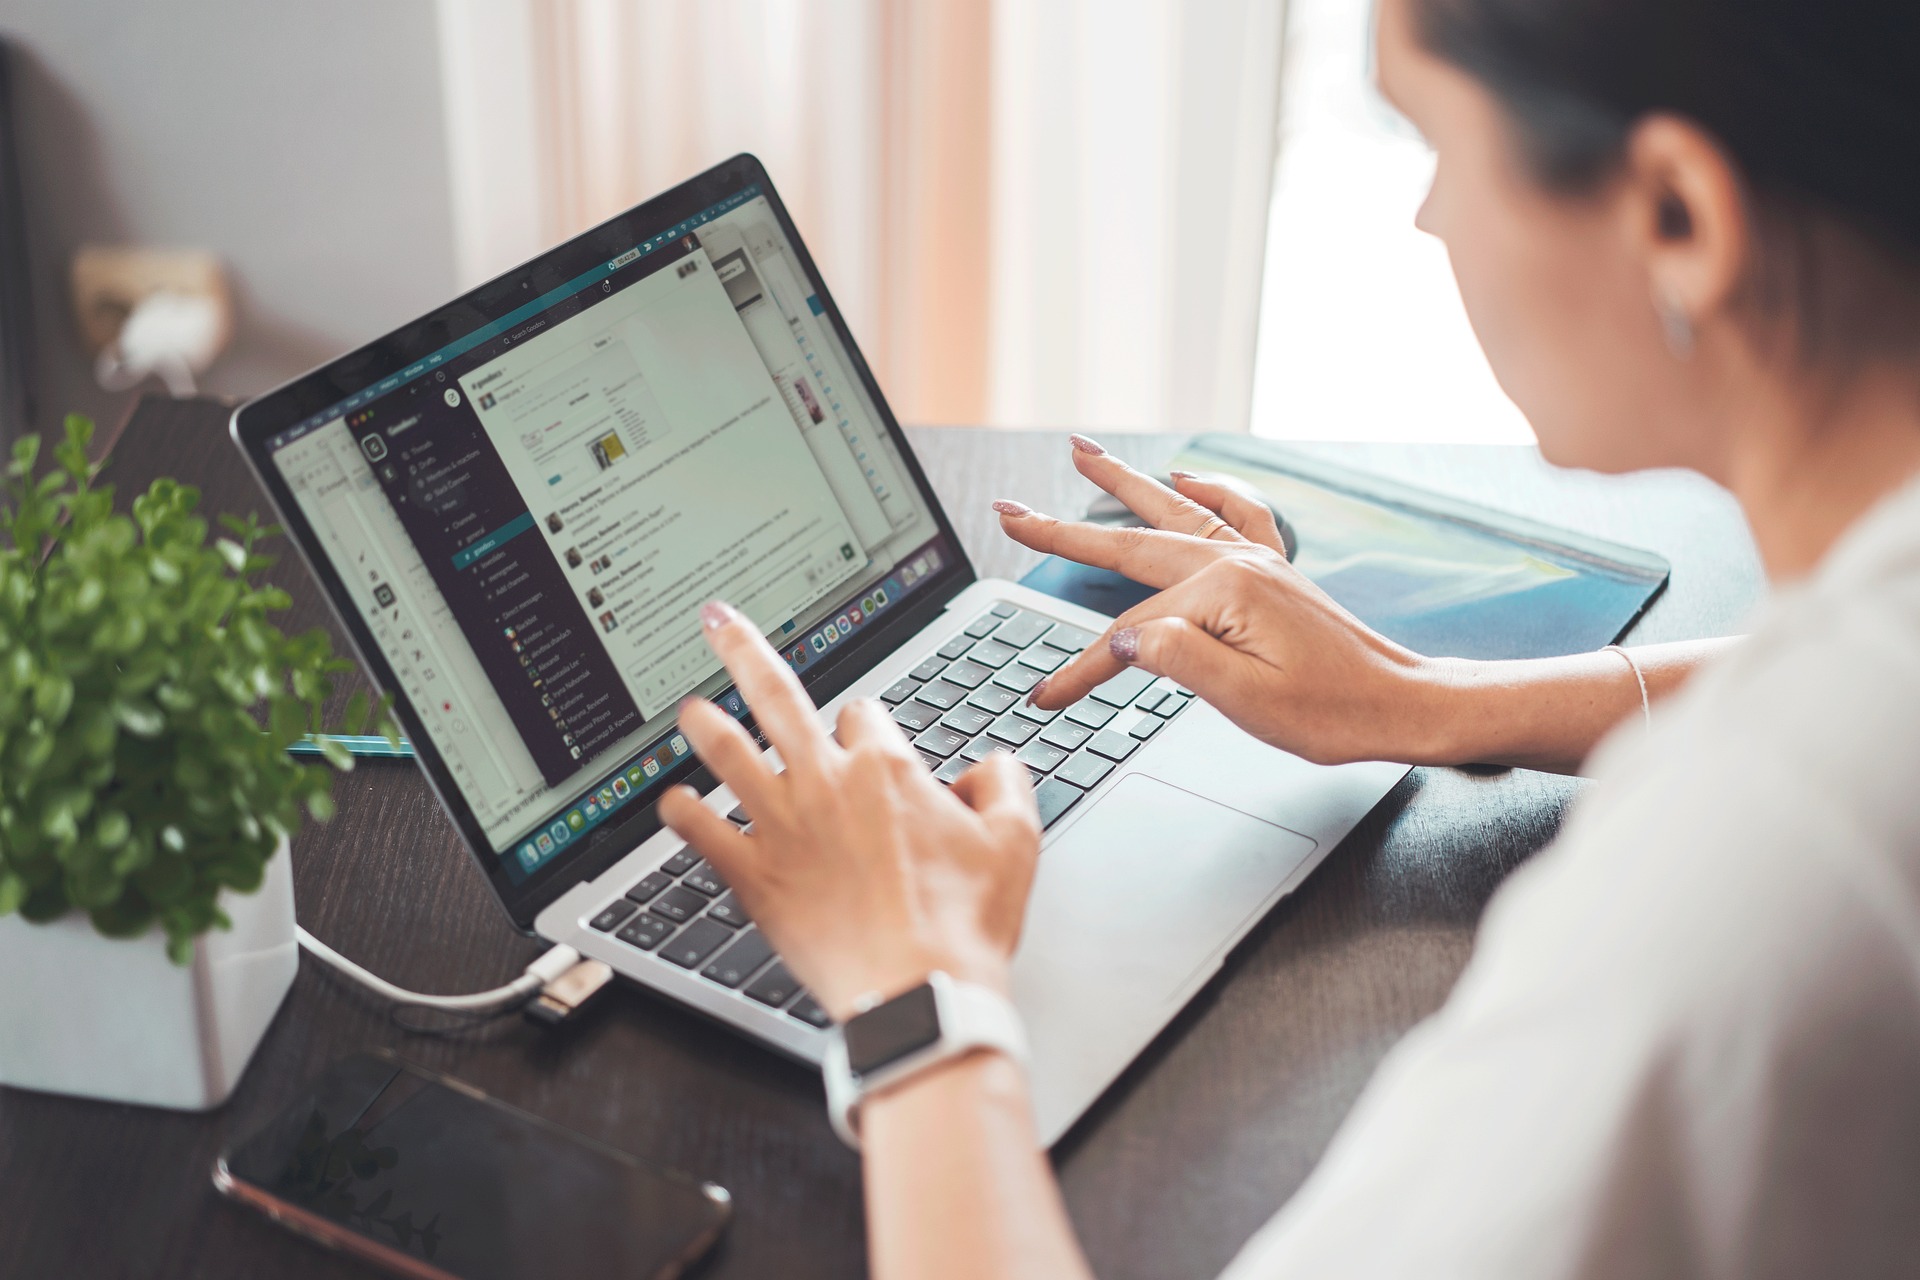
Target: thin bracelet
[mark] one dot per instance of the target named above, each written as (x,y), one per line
(1646,705)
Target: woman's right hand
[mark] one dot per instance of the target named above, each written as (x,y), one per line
(1238,624)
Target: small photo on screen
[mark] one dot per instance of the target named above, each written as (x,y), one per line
(607,450)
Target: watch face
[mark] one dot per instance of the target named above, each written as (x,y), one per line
(903,1025)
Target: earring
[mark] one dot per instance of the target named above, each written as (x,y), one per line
(1677,324)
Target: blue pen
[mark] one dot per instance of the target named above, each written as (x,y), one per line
(365,746)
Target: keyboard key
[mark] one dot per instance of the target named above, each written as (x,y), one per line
(1041,658)
(1013,729)
(967,673)
(932,762)
(1152,698)
(738,962)
(1084,770)
(940,741)
(678,905)
(967,720)
(899,691)
(680,863)
(808,1010)
(950,772)
(1054,799)
(943,695)
(1022,629)
(956,647)
(1114,746)
(695,943)
(609,920)
(1016,677)
(916,715)
(982,625)
(1125,687)
(980,748)
(929,669)
(704,879)
(1148,726)
(1092,714)
(775,987)
(993,699)
(1067,734)
(728,912)
(1070,639)
(644,931)
(1040,755)
(991,653)
(1039,715)
(651,886)
(1003,610)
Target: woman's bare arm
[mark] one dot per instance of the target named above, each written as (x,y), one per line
(957,1184)
(1548,713)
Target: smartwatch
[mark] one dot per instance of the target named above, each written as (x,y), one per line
(889,1041)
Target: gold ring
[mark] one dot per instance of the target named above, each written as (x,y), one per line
(1213,525)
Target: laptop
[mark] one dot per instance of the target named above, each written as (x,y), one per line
(516,505)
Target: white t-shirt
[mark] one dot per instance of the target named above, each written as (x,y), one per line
(1688,1043)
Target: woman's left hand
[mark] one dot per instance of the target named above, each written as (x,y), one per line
(863,871)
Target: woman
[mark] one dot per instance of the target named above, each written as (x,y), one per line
(1688,234)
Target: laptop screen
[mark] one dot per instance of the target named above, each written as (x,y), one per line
(529,518)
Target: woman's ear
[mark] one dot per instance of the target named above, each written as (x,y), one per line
(1687,220)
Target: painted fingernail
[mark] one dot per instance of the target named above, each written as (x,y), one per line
(1184,475)
(1085,445)
(1033,694)
(1008,507)
(715,614)
(1125,644)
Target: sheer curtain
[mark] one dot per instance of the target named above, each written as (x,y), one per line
(1033,212)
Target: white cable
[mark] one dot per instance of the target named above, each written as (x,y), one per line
(550,965)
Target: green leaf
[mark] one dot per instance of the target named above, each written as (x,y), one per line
(139,717)
(355,718)
(13,892)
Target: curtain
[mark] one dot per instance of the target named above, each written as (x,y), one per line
(1032,212)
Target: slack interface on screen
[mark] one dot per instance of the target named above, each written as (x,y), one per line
(533,520)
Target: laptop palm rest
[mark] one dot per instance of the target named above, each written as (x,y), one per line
(1132,909)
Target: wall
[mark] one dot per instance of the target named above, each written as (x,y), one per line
(304,143)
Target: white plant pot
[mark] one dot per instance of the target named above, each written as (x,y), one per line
(114,1018)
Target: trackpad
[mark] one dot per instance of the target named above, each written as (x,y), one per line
(1131,910)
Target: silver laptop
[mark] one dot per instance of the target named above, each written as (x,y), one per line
(516,505)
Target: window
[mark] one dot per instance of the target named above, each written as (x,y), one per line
(1362,333)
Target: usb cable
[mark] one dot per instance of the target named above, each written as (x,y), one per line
(558,981)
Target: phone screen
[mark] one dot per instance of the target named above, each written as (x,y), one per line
(432,1178)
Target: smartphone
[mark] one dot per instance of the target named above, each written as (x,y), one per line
(427,1176)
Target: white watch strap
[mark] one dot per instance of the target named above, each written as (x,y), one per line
(971,1017)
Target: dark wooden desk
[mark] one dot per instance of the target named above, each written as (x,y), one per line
(1195,1146)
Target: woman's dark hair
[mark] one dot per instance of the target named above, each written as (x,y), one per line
(1816,101)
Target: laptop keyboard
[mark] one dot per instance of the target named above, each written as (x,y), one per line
(965,702)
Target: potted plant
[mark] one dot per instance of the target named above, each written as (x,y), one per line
(146,793)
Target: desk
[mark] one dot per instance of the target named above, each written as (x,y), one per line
(1195,1146)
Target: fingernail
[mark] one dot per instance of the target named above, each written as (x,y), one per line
(1125,644)
(1033,694)
(1184,475)
(715,614)
(685,702)
(1008,507)
(1085,445)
